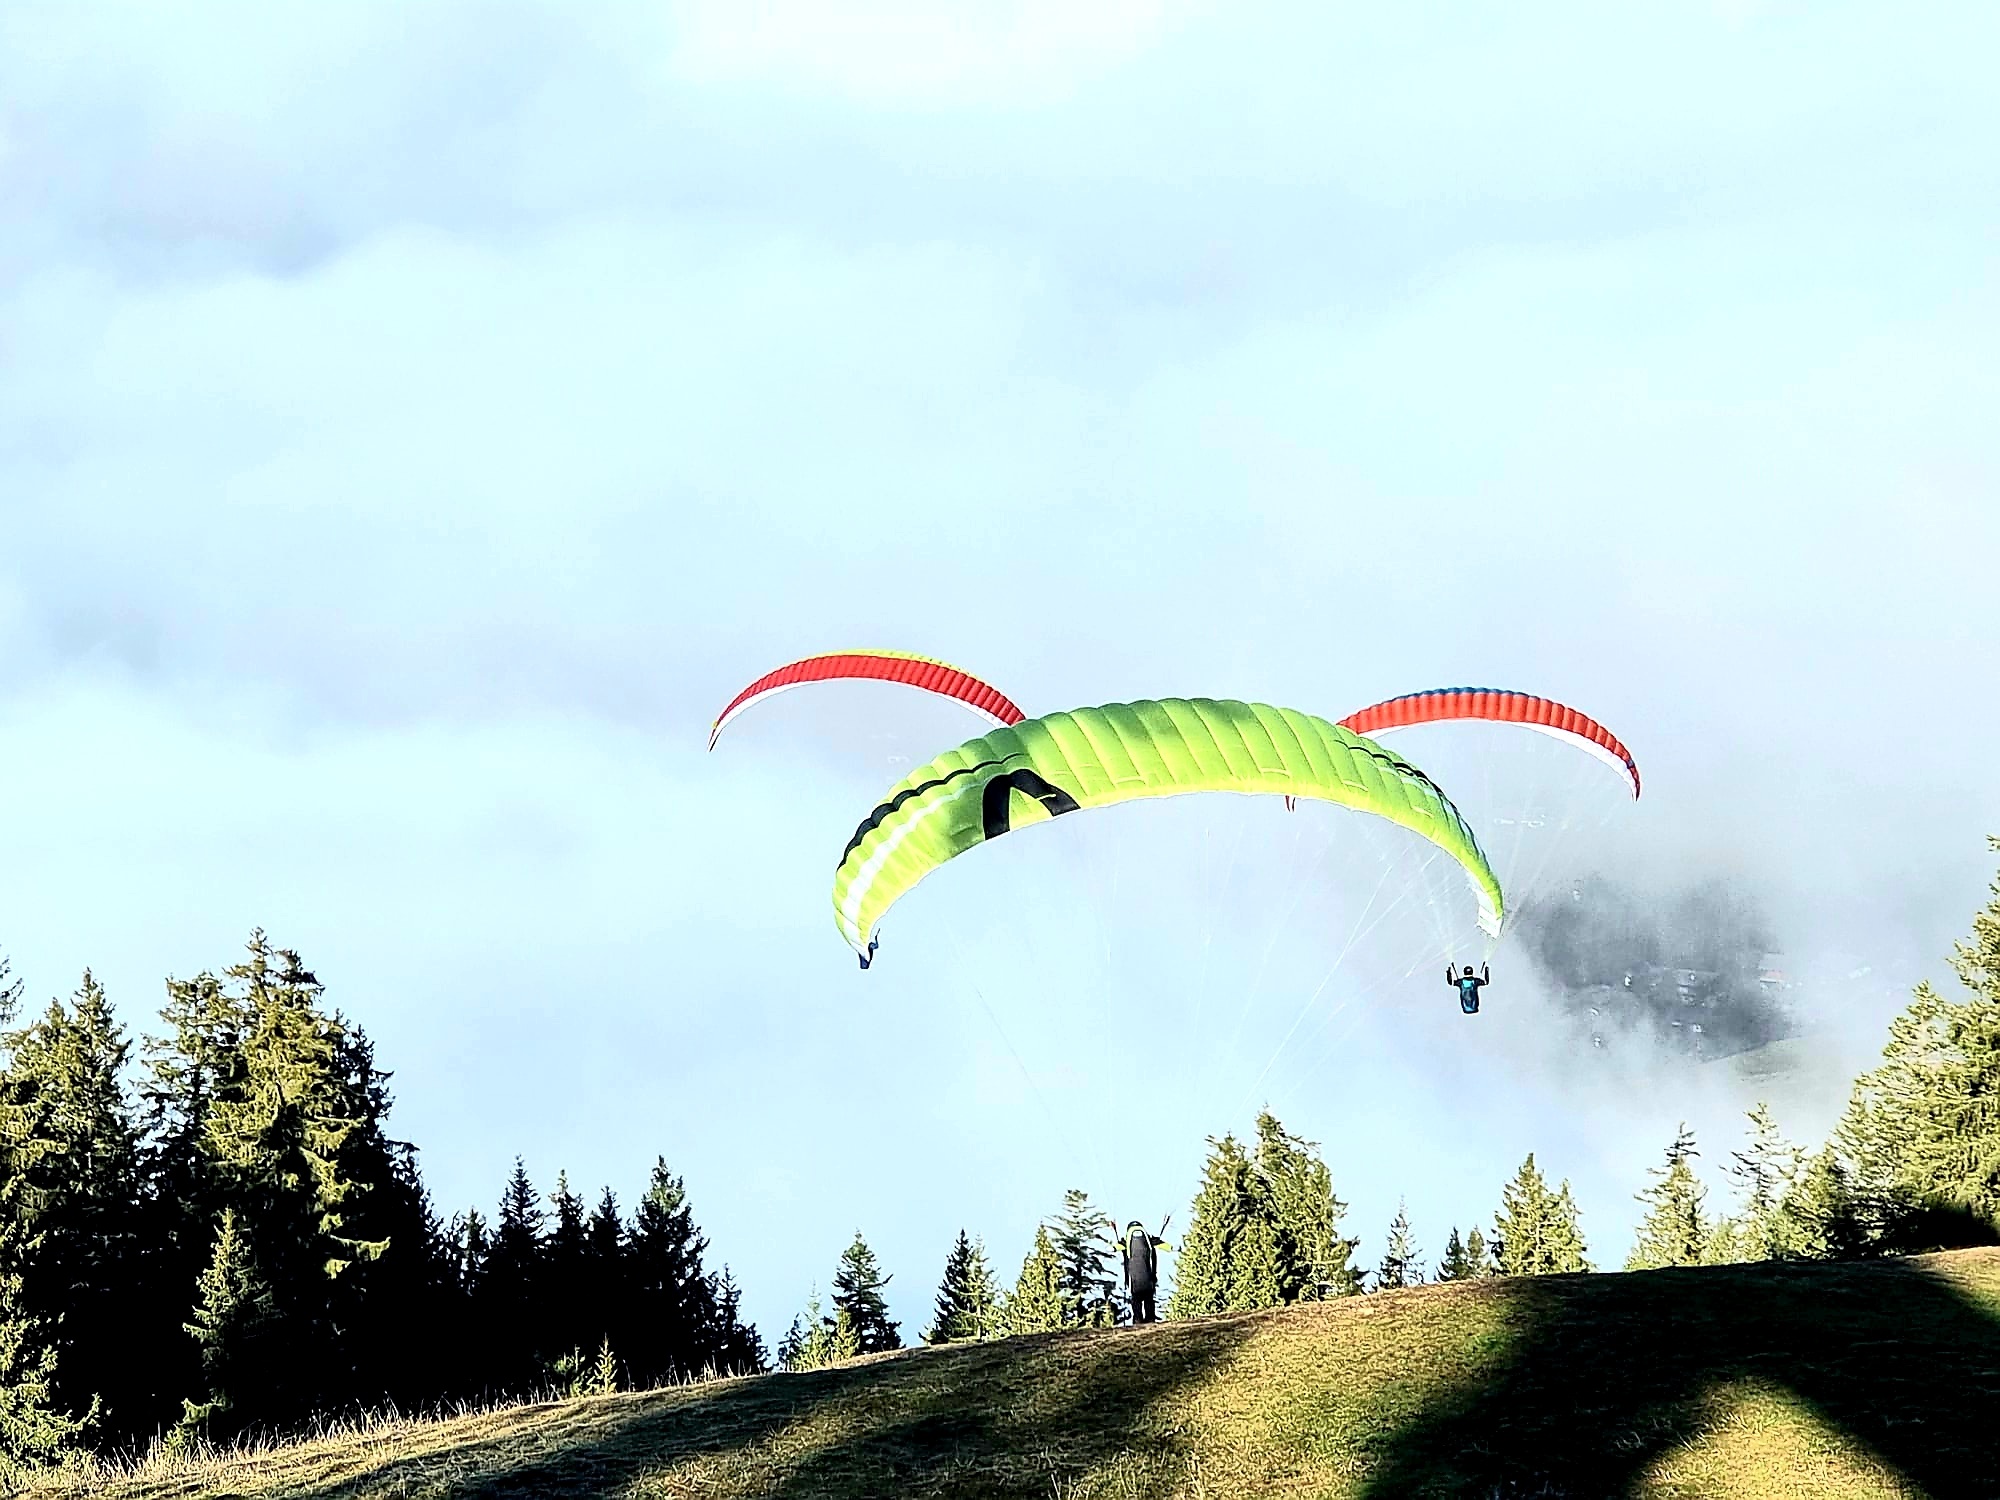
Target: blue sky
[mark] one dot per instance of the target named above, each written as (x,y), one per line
(415,424)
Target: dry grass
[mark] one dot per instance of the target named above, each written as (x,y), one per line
(1847,1381)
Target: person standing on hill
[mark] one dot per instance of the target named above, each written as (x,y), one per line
(1142,1268)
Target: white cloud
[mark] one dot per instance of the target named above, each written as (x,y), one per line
(1006,56)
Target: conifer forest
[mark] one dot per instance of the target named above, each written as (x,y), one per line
(212,1229)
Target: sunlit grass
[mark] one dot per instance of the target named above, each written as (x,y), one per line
(1766,1442)
(1679,1383)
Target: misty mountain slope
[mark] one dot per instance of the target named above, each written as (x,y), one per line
(1875,1379)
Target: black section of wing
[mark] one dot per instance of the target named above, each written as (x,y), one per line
(993,799)
(876,818)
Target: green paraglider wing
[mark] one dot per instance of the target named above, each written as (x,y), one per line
(1092,757)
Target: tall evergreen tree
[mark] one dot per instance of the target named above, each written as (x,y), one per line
(1306,1215)
(604,1234)
(34,1433)
(857,1294)
(1454,1264)
(1820,1215)
(514,1255)
(1764,1173)
(968,1298)
(1921,1137)
(473,1246)
(1089,1259)
(792,1347)
(815,1340)
(673,1324)
(400,1314)
(566,1230)
(1536,1232)
(739,1347)
(799,1348)
(1478,1257)
(1676,1229)
(1260,1263)
(510,1347)
(843,1339)
(34,1430)
(269,1106)
(1205,1273)
(566,1300)
(1264,1229)
(70,1186)
(1400,1263)
(1038,1302)
(604,1296)
(1725,1245)
(239,1329)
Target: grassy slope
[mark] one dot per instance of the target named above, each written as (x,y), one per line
(1879,1379)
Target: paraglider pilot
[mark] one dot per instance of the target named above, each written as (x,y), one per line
(1142,1268)
(1468,986)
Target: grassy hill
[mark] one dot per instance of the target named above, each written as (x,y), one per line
(1859,1380)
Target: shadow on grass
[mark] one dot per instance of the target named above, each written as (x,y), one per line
(1029,1417)
(1606,1375)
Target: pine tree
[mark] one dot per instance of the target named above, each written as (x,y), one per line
(968,1298)
(565,1301)
(1921,1137)
(269,1106)
(791,1348)
(1037,1303)
(1400,1266)
(1206,1278)
(1478,1258)
(1536,1232)
(843,1339)
(814,1340)
(1263,1230)
(603,1380)
(673,1322)
(604,1297)
(514,1256)
(566,1234)
(393,1294)
(1259,1264)
(1454,1264)
(857,1294)
(473,1246)
(279,1135)
(1764,1174)
(508,1346)
(739,1347)
(1298,1188)
(795,1349)
(238,1329)
(1819,1216)
(1725,1245)
(604,1235)
(33,1431)
(1675,1230)
(70,1186)
(1089,1261)
(1565,1236)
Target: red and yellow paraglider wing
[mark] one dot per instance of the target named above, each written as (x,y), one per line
(922,672)
(1500,706)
